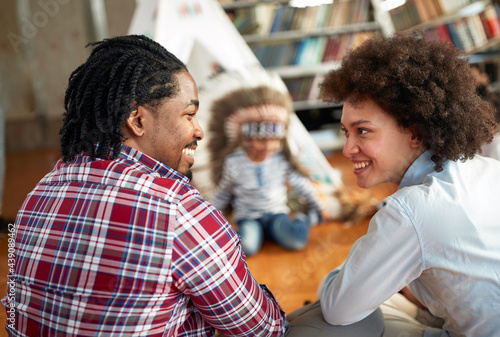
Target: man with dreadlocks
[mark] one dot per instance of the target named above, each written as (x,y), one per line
(114,241)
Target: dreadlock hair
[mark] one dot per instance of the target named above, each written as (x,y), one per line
(120,74)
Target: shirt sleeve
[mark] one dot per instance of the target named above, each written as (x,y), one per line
(210,268)
(379,264)
(223,192)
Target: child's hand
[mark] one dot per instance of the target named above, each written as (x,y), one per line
(317,217)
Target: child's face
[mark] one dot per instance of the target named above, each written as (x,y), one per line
(259,149)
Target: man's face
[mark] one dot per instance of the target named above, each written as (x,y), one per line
(173,131)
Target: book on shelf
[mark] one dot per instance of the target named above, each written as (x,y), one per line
(486,26)
(322,15)
(304,88)
(470,32)
(404,16)
(314,88)
(454,35)
(450,6)
(331,49)
(465,32)
(415,12)
(282,17)
(307,18)
(298,18)
(443,33)
(288,18)
(491,15)
(298,87)
(309,51)
(263,15)
(477,30)
(348,12)
(434,8)
(422,10)
(338,13)
(362,11)
(279,17)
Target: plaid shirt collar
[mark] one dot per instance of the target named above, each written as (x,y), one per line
(154,166)
(144,162)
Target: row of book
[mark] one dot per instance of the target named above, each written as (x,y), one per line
(311,18)
(414,12)
(309,51)
(267,18)
(430,9)
(470,32)
(304,88)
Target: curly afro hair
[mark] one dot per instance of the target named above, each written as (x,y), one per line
(426,85)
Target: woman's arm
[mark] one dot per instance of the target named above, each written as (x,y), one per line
(379,264)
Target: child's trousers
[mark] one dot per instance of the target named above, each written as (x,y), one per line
(291,234)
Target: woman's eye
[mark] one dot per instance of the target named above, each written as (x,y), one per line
(344,131)
(362,131)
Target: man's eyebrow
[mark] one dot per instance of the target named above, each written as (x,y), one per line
(194,102)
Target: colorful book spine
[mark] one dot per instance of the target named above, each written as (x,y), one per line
(492,21)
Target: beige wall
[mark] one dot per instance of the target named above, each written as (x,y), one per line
(37,55)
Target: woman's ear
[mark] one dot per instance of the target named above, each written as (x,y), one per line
(416,140)
(135,121)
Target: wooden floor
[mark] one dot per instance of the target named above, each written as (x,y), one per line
(291,276)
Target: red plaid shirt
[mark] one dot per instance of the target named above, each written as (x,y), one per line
(127,247)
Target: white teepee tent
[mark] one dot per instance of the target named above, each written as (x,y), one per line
(200,34)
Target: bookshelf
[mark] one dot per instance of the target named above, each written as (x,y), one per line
(302,43)
(471,25)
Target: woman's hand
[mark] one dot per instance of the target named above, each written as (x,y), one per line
(406,292)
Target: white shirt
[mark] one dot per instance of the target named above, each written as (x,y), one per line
(440,233)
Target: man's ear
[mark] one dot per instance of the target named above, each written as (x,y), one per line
(135,121)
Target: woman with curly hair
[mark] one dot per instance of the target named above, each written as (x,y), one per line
(412,117)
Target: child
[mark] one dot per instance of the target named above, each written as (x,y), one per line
(255,176)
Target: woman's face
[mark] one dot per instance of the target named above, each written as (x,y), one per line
(378,148)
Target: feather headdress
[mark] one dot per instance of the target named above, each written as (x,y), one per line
(261,99)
